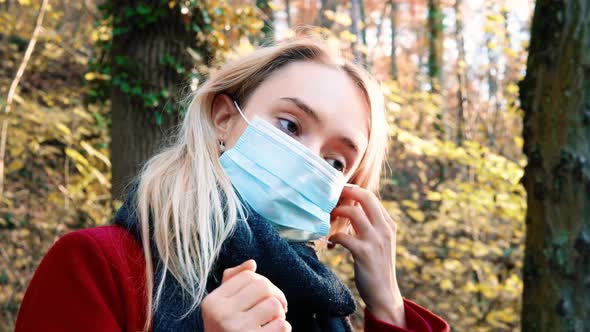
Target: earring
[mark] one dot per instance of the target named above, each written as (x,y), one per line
(222,146)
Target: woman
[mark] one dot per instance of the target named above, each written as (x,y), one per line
(219,230)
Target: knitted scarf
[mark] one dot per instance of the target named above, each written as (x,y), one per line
(318,300)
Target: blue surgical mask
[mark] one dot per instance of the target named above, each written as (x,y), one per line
(283,181)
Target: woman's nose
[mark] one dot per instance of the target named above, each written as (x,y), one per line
(314,145)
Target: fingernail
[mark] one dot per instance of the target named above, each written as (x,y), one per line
(350,185)
(331,244)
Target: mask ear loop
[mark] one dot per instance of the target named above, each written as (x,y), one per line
(240,111)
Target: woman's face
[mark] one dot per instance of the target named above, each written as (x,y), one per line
(318,105)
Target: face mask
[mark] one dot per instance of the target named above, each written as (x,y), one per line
(282,180)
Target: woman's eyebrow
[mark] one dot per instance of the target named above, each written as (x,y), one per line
(308,110)
(304,107)
(349,143)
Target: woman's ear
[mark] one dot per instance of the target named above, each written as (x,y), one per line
(223,112)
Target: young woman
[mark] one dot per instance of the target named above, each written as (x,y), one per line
(278,150)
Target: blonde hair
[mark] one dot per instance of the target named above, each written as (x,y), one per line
(183,192)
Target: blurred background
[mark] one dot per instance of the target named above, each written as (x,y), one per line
(89,89)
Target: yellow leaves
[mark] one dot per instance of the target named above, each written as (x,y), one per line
(24,2)
(434,196)
(257,24)
(511,53)
(416,215)
(453,265)
(101,177)
(274,6)
(392,207)
(470,287)
(14,166)
(512,88)
(91,76)
(340,18)
(499,318)
(244,47)
(446,285)
(346,35)
(410,204)
(16,151)
(413,210)
(220,38)
(102,33)
(65,130)
(34,146)
(497,18)
(76,156)
(93,152)
(480,249)
(52,51)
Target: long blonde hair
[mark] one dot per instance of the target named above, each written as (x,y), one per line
(181,188)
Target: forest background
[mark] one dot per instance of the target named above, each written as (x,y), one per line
(450,70)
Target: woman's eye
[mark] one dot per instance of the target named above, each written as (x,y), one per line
(337,164)
(289,126)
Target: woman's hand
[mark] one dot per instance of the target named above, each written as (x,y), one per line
(245,301)
(373,249)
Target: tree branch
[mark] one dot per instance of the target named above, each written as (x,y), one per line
(14,85)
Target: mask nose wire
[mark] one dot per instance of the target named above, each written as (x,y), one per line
(240,111)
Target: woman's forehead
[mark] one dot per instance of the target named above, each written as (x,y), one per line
(327,90)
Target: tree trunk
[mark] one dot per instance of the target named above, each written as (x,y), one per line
(145,56)
(363,21)
(393,57)
(325,5)
(435,71)
(288,12)
(461,79)
(435,40)
(494,91)
(355,14)
(555,97)
(435,61)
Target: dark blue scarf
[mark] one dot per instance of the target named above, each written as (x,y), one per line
(318,300)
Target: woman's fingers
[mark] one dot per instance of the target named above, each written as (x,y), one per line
(353,244)
(245,301)
(266,311)
(368,201)
(231,272)
(232,286)
(357,217)
(259,290)
(277,325)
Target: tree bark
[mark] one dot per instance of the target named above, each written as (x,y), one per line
(555,97)
(137,55)
(435,61)
(435,71)
(325,5)
(393,57)
(461,80)
(435,40)
(494,92)
(355,14)
(288,12)
(363,21)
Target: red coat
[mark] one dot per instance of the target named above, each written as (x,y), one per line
(93,280)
